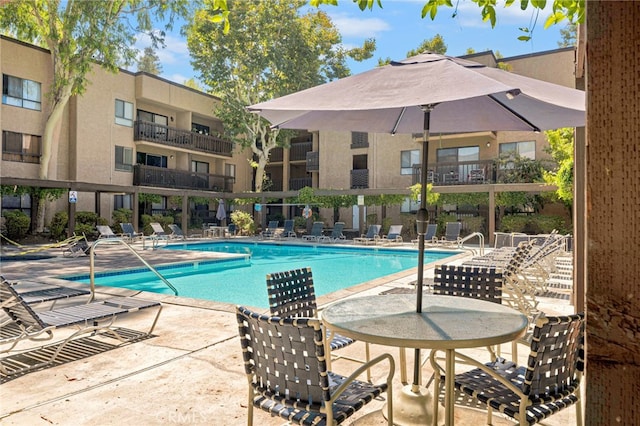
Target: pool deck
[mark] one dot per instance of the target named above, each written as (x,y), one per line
(191,371)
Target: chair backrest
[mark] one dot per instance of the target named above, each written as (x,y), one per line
(105,231)
(468,281)
(176,229)
(127,228)
(316,229)
(157,228)
(284,357)
(291,293)
(337,230)
(18,310)
(394,231)
(432,229)
(373,231)
(288,225)
(273,224)
(452,231)
(556,358)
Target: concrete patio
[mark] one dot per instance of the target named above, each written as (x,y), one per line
(191,371)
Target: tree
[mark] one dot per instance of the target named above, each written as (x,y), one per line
(561,149)
(273,50)
(435,44)
(149,62)
(569,36)
(80,34)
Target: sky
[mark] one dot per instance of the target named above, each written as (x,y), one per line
(398,28)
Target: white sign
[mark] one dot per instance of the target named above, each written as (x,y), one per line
(73,196)
(361,200)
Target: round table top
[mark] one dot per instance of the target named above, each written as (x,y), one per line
(446,322)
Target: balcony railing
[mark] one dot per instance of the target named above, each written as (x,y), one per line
(170,178)
(298,151)
(299,183)
(170,136)
(461,173)
(313,161)
(360,179)
(276,155)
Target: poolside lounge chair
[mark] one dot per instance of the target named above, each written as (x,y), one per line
(451,236)
(288,376)
(336,234)
(77,247)
(316,232)
(176,232)
(270,231)
(95,319)
(394,236)
(35,292)
(288,231)
(128,230)
(106,232)
(547,383)
(371,237)
(430,235)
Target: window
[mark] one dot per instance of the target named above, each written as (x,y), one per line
(124,113)
(151,160)
(523,149)
(124,158)
(21,147)
(21,93)
(230,171)
(123,201)
(200,128)
(407,160)
(409,205)
(199,166)
(17,202)
(359,139)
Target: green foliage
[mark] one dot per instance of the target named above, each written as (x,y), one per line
(435,44)
(17,224)
(534,224)
(442,220)
(244,222)
(561,149)
(371,219)
(517,169)
(474,224)
(85,217)
(121,216)
(432,197)
(165,221)
(299,222)
(469,199)
(150,62)
(58,224)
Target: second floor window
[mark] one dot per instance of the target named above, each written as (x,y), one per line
(151,160)
(200,128)
(359,139)
(21,147)
(407,160)
(230,170)
(124,158)
(523,149)
(199,166)
(124,113)
(20,92)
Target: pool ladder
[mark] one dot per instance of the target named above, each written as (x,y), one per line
(132,250)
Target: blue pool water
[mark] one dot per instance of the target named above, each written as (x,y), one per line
(242,280)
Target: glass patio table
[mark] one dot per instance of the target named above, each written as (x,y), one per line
(446,322)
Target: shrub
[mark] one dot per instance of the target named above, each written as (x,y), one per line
(473,224)
(442,220)
(165,221)
(244,222)
(58,225)
(299,222)
(534,224)
(87,218)
(121,216)
(17,224)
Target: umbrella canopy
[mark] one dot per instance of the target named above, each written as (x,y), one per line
(221,214)
(433,94)
(470,97)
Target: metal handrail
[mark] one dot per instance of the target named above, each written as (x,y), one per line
(131,249)
(480,240)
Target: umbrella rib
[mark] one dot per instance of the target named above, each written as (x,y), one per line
(395,126)
(533,127)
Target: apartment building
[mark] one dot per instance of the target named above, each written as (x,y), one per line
(375,163)
(128,134)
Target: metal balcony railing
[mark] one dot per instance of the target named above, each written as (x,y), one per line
(299,183)
(298,151)
(172,137)
(461,173)
(171,178)
(360,179)
(313,161)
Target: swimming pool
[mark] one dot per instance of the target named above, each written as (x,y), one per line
(241,279)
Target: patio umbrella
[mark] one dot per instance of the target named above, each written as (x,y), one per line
(221,214)
(432,94)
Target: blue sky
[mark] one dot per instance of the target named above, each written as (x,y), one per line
(399,28)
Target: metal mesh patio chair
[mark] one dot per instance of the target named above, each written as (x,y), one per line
(547,384)
(285,363)
(292,295)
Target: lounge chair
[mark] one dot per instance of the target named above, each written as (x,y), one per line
(270,231)
(95,319)
(129,231)
(336,234)
(394,236)
(316,232)
(35,292)
(77,247)
(371,237)
(106,232)
(430,235)
(288,376)
(547,383)
(288,231)
(176,232)
(451,236)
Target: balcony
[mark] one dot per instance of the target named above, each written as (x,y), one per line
(298,151)
(360,179)
(170,178)
(298,183)
(313,161)
(461,173)
(176,138)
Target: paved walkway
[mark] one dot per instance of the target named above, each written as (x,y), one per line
(189,373)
